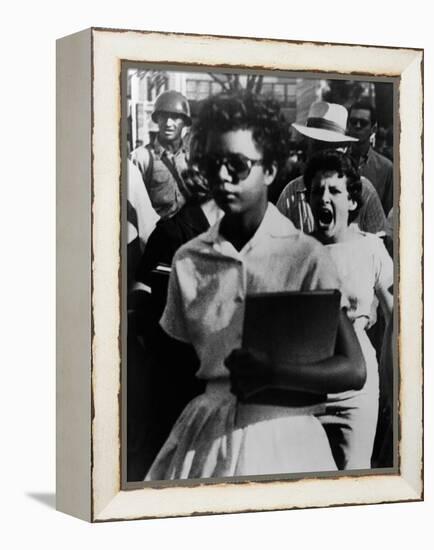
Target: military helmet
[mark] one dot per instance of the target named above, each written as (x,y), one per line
(172,102)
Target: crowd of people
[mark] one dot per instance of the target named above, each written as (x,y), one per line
(219,210)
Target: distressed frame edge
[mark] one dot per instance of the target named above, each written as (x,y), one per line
(412,487)
(73,275)
(407,493)
(411,278)
(256,39)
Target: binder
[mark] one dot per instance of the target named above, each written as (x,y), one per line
(289,328)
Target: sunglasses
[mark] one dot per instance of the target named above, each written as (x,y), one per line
(238,166)
(362,122)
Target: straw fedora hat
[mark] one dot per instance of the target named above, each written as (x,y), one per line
(326,122)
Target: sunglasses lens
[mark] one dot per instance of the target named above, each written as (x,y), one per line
(359,122)
(237,166)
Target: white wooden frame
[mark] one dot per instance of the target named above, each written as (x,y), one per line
(88,268)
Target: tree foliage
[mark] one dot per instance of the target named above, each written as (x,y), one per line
(231,82)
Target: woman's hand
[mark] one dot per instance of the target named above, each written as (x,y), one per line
(346,370)
(249,371)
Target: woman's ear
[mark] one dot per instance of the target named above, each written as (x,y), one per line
(352,205)
(270,174)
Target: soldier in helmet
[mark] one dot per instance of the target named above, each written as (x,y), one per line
(156,173)
(162,162)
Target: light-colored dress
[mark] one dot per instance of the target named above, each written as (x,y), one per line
(215,435)
(365,268)
(141,217)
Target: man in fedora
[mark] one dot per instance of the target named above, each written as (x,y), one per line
(325,129)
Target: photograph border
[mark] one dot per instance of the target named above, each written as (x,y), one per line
(93,490)
(127,66)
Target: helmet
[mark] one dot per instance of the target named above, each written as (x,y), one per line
(172,102)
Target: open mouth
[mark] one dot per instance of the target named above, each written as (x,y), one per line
(325,218)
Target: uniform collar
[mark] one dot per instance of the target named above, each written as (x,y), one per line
(159,150)
(273,224)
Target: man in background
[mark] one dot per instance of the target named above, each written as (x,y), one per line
(162,162)
(325,128)
(362,124)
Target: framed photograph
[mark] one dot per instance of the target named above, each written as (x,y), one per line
(239,275)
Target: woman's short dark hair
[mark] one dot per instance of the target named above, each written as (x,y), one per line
(330,160)
(245,110)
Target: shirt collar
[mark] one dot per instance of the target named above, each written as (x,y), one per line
(365,158)
(159,150)
(273,224)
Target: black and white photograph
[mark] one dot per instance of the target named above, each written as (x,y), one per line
(239,321)
(218,204)
(258,270)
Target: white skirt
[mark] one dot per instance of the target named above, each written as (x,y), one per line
(216,436)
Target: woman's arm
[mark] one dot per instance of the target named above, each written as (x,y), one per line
(383,279)
(346,370)
(385,298)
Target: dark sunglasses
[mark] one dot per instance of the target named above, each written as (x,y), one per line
(237,165)
(362,122)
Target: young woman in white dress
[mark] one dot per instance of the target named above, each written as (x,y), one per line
(252,249)
(366,272)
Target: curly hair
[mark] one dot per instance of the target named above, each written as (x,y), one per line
(330,160)
(195,186)
(244,110)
